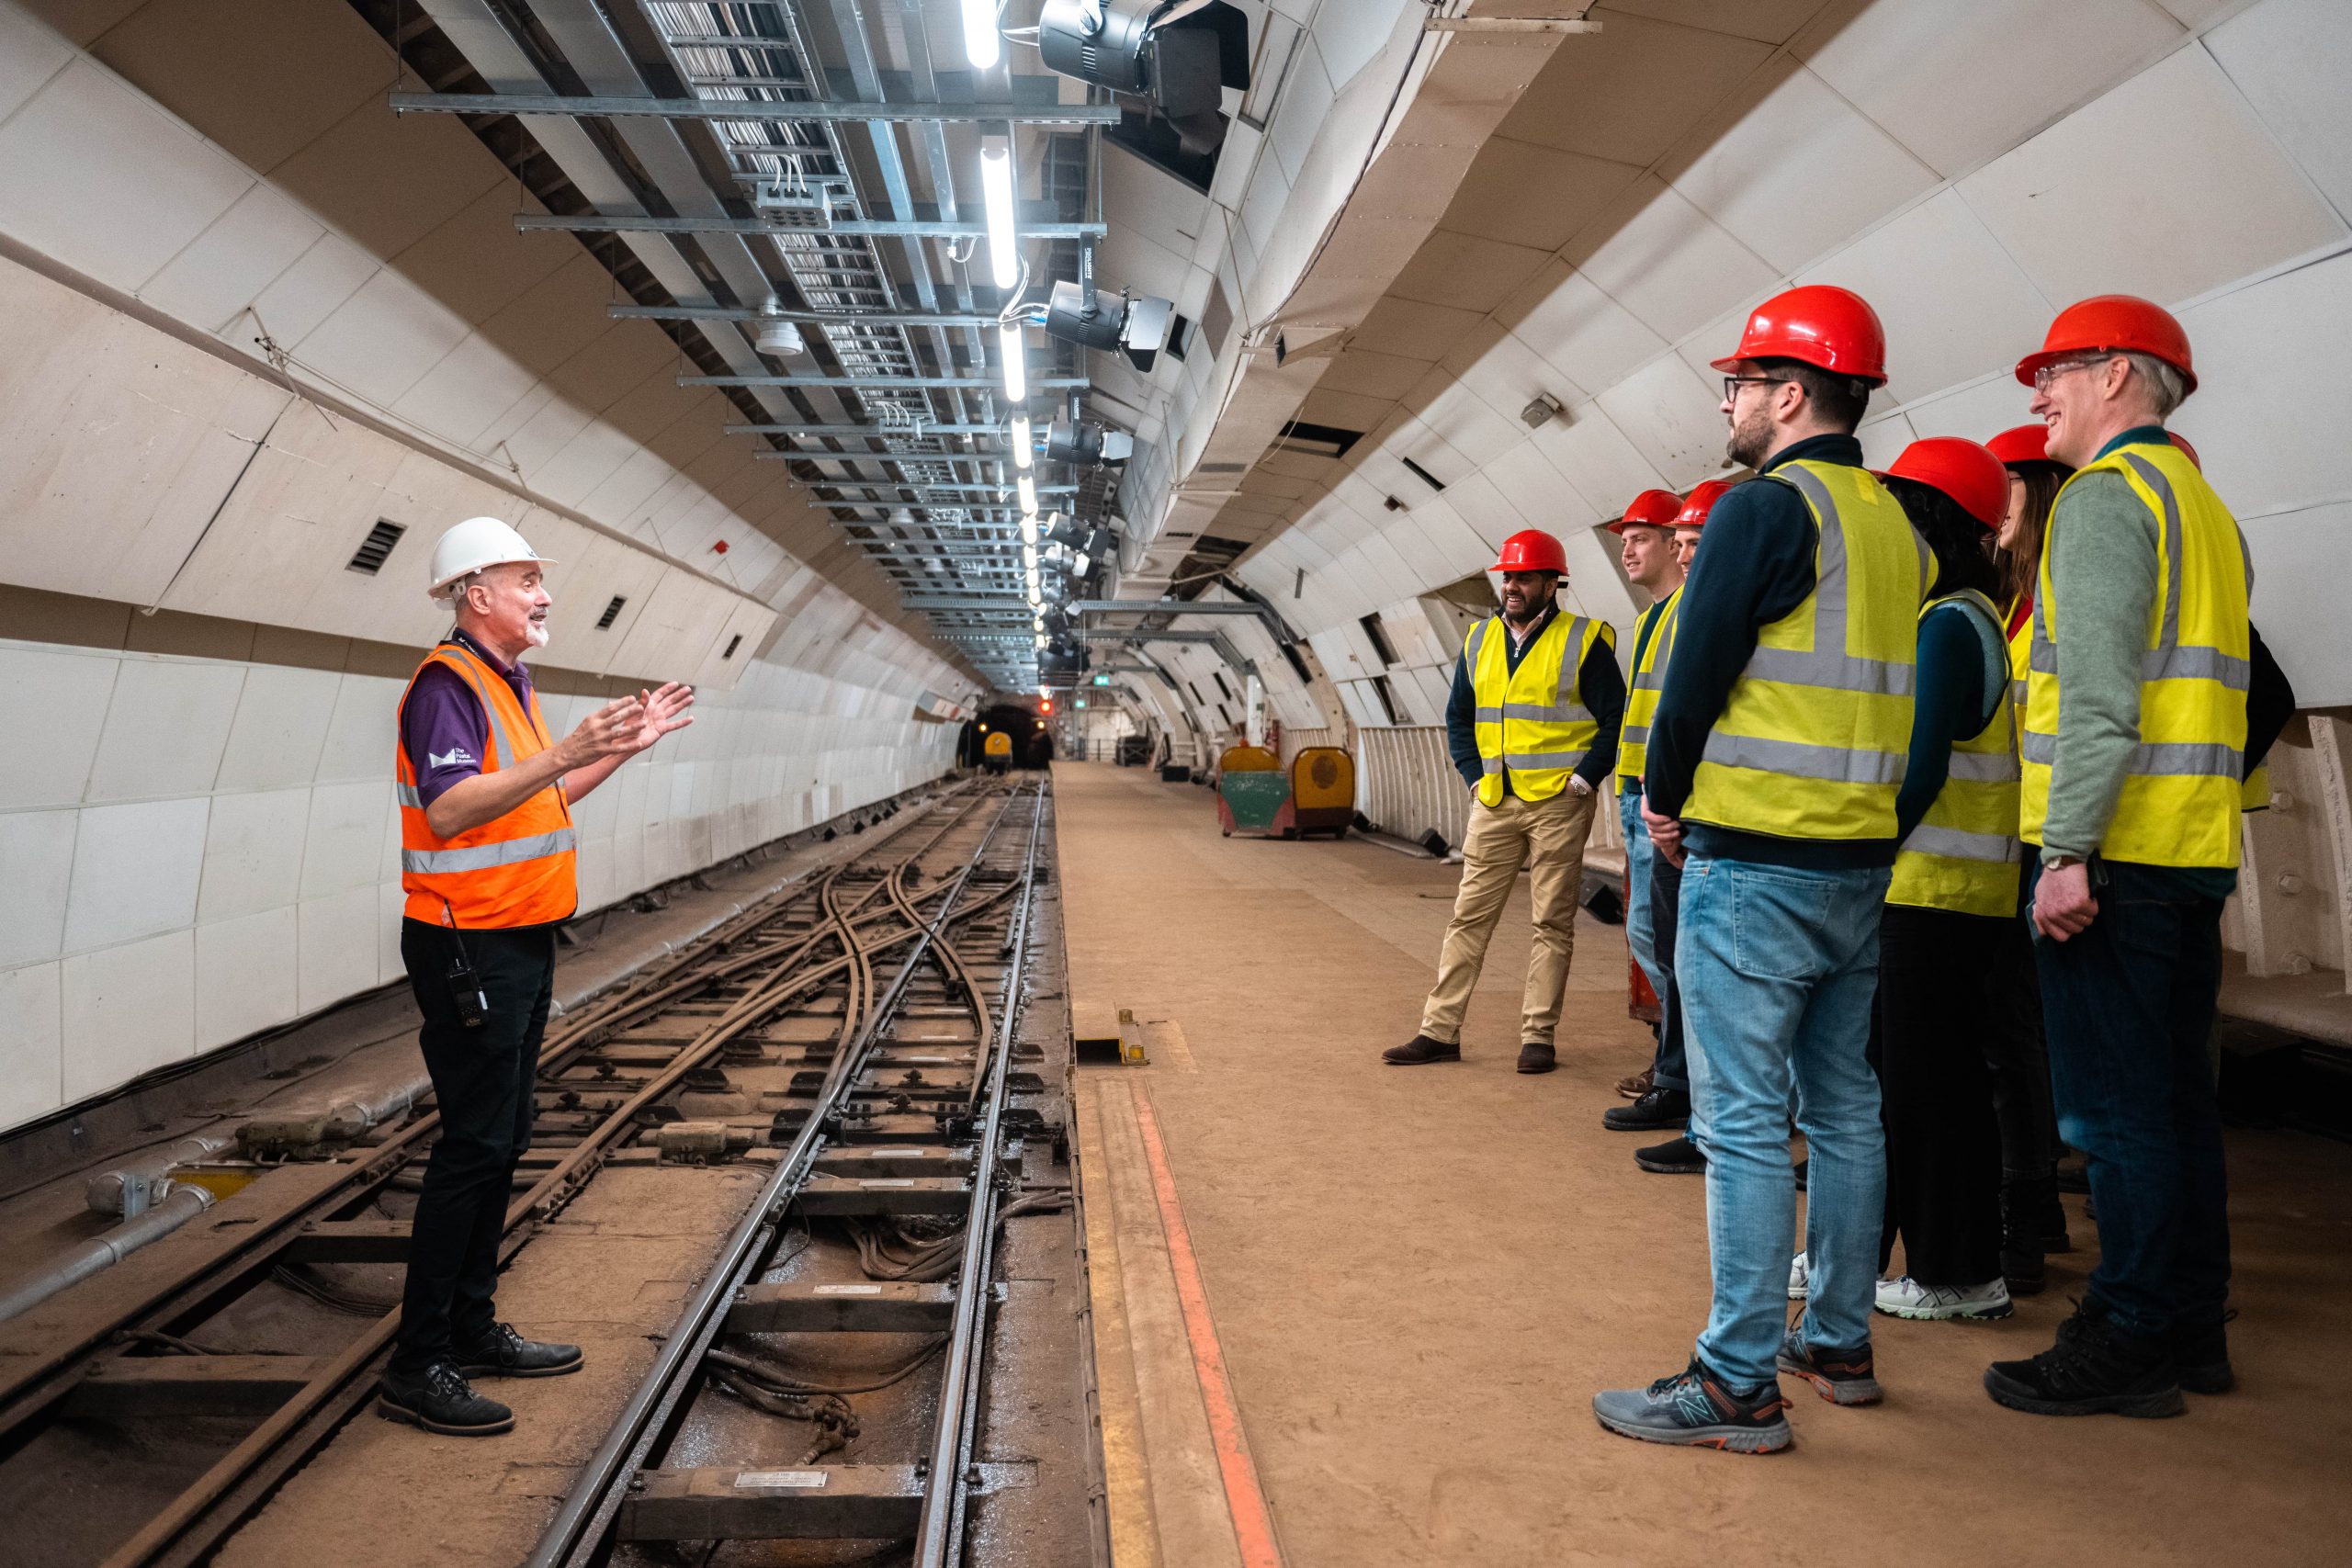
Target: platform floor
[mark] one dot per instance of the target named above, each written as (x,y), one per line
(1419,1277)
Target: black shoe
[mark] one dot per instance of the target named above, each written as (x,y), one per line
(2094,1369)
(506,1353)
(440,1400)
(1656,1111)
(1804,1168)
(2203,1356)
(1694,1409)
(1681,1157)
(2073,1176)
(2023,1271)
(1536,1057)
(1419,1050)
(1841,1377)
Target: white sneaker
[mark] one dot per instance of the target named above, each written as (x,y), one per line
(1799,1276)
(1907,1297)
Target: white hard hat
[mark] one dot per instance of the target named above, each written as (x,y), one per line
(472,545)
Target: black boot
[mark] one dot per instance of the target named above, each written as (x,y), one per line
(506,1353)
(1419,1050)
(1536,1057)
(440,1400)
(2095,1368)
(2203,1356)
(1681,1157)
(1661,1110)
(2025,1202)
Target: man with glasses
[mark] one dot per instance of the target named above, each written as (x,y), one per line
(2135,748)
(1774,758)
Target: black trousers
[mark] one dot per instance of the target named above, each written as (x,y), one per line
(482,1083)
(1940,975)
(2018,1055)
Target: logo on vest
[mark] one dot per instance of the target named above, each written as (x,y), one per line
(455,757)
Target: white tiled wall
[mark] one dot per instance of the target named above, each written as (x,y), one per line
(198,849)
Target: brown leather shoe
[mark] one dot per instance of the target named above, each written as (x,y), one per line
(1419,1051)
(1536,1057)
(1640,1084)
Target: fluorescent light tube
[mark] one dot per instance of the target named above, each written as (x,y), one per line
(996,188)
(982,47)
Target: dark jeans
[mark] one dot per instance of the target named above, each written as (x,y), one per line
(482,1085)
(1672,1067)
(2128,1004)
(1939,973)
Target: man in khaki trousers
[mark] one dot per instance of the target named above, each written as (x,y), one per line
(1533,726)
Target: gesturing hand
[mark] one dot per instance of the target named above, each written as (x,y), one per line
(662,711)
(610,731)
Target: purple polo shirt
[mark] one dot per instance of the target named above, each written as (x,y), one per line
(442,728)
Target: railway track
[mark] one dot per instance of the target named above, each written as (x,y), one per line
(850,1031)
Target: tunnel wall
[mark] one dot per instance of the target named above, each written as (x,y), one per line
(198,838)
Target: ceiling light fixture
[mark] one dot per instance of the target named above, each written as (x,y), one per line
(996,188)
(1028,487)
(1016,362)
(982,47)
(1021,453)
(1029,532)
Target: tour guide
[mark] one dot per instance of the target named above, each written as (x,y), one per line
(486,860)
(1533,726)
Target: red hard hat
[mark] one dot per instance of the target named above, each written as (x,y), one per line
(1969,473)
(2022,444)
(1700,502)
(1651,509)
(1531,549)
(2113,324)
(1818,324)
(2186,451)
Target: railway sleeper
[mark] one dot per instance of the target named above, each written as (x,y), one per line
(831,1195)
(843,1501)
(141,1388)
(870,1306)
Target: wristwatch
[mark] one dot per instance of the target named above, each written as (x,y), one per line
(1576,783)
(2060,862)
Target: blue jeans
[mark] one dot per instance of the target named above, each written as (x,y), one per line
(2129,1007)
(1777,969)
(1668,1068)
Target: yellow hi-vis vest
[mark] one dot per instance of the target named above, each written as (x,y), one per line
(2183,793)
(1811,743)
(1531,721)
(1963,856)
(1641,696)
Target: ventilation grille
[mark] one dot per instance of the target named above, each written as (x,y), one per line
(369,558)
(612,613)
(732,644)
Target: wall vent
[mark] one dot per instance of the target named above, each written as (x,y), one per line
(1426,477)
(369,558)
(732,644)
(612,613)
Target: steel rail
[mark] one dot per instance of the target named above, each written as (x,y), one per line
(575,1537)
(200,1517)
(949,1483)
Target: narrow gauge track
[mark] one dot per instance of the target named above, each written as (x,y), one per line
(799,965)
(679,1466)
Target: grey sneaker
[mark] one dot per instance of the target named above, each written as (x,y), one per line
(1694,1409)
(1841,1377)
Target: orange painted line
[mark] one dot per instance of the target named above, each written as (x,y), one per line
(1253,1527)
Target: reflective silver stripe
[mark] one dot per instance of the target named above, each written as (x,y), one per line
(1648,681)
(1490,764)
(1800,761)
(408,795)
(1838,671)
(1489,716)
(1546,713)
(1984,767)
(1524,760)
(2187,662)
(2168,506)
(2163,759)
(1634,735)
(483,857)
(1477,640)
(1819,666)
(2016,693)
(1571,663)
(505,742)
(1998,849)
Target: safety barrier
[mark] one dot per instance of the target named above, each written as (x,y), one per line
(1298,740)
(1406,784)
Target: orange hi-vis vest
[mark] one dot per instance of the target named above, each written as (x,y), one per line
(516,870)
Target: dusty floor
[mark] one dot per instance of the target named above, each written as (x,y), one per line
(1419,1277)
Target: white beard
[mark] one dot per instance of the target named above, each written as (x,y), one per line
(537,632)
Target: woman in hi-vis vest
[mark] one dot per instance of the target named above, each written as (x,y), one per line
(486,847)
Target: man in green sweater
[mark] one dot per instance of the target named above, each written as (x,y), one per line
(2133,752)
